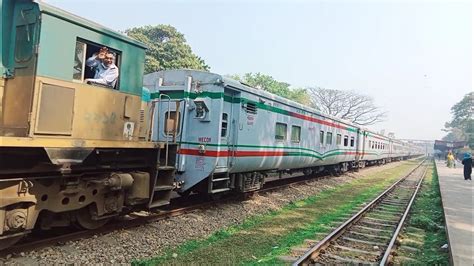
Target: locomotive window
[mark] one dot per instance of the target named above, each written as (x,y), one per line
(329,138)
(295,133)
(81,71)
(338,139)
(24,43)
(346,140)
(79,61)
(280,131)
(321,137)
(352,142)
(224,125)
(172,125)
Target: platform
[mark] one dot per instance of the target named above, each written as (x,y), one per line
(458,200)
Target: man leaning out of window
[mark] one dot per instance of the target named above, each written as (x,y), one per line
(106,72)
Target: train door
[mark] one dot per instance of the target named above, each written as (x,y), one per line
(17,96)
(362,143)
(228,134)
(321,141)
(359,145)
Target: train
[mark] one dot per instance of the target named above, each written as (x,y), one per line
(233,137)
(77,153)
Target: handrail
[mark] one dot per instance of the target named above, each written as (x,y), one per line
(167,128)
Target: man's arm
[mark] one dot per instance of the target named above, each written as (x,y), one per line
(93,61)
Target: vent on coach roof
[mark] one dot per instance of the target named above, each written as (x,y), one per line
(251,108)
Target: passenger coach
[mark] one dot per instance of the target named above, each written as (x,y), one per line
(231,136)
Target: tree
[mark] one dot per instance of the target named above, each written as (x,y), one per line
(461,127)
(348,105)
(268,83)
(167,49)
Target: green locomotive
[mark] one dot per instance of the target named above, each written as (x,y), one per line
(71,152)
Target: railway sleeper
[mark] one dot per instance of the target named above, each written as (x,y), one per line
(366,242)
(375,224)
(370,229)
(335,259)
(369,236)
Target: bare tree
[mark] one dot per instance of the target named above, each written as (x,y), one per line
(348,105)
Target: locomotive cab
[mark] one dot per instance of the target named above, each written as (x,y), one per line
(71,151)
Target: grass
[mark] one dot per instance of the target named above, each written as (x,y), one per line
(426,224)
(261,239)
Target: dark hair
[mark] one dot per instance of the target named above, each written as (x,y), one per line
(112,53)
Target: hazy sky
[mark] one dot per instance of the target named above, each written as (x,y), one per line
(413,57)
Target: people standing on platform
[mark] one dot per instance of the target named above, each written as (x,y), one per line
(450,160)
(467,161)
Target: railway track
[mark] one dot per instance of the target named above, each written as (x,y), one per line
(369,236)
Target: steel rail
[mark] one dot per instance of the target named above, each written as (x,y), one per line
(390,246)
(314,251)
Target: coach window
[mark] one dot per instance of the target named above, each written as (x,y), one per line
(81,71)
(329,138)
(346,140)
(321,137)
(352,141)
(280,131)
(338,139)
(295,133)
(172,125)
(224,125)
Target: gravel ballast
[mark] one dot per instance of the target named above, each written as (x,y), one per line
(150,240)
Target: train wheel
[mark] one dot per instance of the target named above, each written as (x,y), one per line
(84,219)
(8,242)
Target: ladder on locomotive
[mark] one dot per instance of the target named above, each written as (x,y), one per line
(163,182)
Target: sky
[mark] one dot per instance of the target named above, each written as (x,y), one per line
(414,58)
